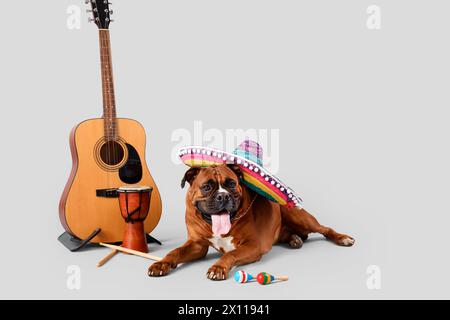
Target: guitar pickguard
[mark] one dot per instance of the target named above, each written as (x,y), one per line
(131,171)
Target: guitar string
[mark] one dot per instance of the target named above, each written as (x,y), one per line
(105,96)
(110,93)
(104,104)
(105,130)
(108,71)
(105,112)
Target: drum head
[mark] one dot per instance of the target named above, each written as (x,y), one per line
(134,189)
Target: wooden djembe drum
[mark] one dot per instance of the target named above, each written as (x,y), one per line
(134,204)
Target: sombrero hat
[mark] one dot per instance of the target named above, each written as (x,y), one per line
(248,155)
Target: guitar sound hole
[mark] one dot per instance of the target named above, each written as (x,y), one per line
(111,153)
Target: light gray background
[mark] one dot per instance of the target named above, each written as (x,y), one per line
(363,118)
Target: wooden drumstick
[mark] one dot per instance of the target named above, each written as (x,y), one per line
(107,258)
(130,251)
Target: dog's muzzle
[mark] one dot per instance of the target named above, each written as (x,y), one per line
(219,210)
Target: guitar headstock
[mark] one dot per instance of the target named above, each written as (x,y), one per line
(101,14)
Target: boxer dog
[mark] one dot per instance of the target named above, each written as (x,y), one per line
(242,225)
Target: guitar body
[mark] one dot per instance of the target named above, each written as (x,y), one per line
(100,165)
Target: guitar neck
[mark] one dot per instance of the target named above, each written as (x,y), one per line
(109,103)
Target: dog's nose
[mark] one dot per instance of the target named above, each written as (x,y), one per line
(222,197)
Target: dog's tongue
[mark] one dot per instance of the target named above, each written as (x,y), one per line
(220,223)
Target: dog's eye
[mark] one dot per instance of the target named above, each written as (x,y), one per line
(231,184)
(206,188)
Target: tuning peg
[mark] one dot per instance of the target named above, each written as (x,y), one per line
(111,12)
(91,20)
(87,1)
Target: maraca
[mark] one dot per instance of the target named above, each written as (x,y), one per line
(242,277)
(266,278)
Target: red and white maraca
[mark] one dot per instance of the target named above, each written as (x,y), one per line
(263,278)
(242,276)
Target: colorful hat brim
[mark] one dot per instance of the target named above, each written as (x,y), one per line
(254,175)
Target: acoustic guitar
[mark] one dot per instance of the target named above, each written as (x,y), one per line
(107,153)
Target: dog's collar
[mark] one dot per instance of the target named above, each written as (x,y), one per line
(246,210)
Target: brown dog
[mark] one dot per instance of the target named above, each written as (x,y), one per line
(237,222)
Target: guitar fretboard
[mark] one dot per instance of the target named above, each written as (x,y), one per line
(109,103)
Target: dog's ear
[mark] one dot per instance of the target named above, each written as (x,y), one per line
(189,176)
(237,170)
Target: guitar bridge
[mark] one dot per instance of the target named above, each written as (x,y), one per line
(107,193)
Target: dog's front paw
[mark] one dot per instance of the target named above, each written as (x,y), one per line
(217,273)
(159,269)
(346,241)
